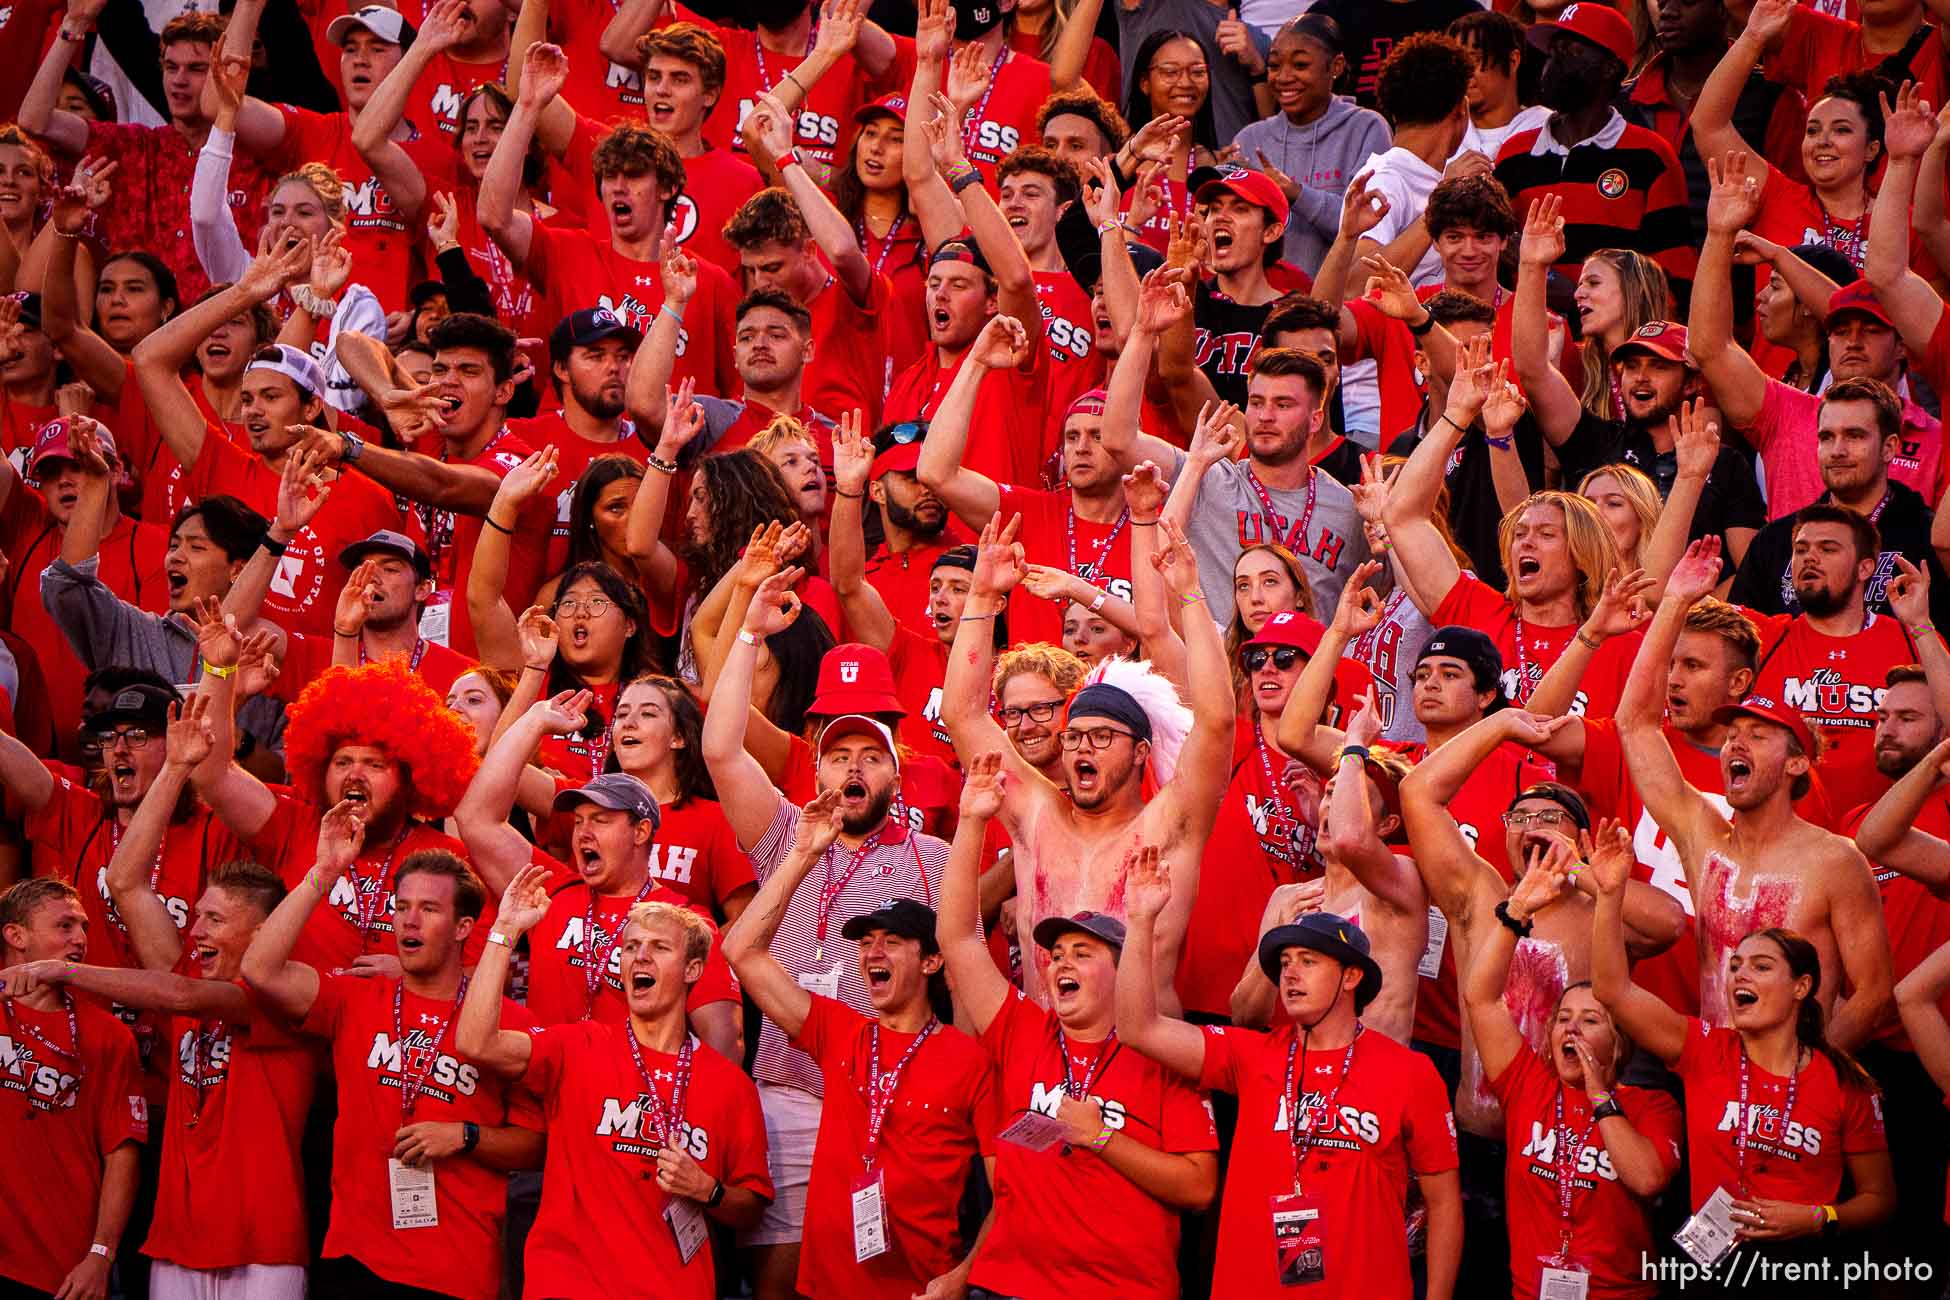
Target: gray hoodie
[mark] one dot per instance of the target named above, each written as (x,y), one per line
(1323,158)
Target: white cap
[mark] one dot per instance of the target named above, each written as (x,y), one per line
(387,24)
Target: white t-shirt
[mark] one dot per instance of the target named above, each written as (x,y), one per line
(1488,140)
(1407,182)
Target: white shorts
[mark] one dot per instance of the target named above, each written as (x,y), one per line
(244,1282)
(791,1130)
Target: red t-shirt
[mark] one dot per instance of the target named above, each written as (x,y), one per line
(60,1123)
(941,1113)
(850,369)
(1818,45)
(902,257)
(1053,534)
(131,567)
(609,92)
(1918,921)
(696,855)
(385,245)
(920,664)
(716,183)
(574,269)
(1391,1120)
(902,579)
(1611,1228)
(516,301)
(446,81)
(1388,342)
(307,657)
(238,1095)
(373,1054)
(1790,1157)
(1005,116)
(1069,1224)
(452,537)
(357,919)
(822,118)
(573,454)
(305,588)
(600,1228)
(1007,432)
(1836,683)
(1076,367)
(1529,649)
(560,946)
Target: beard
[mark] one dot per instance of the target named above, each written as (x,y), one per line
(909,521)
(775,14)
(1821,601)
(599,404)
(864,822)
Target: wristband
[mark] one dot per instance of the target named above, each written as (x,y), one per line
(503,529)
(1352,751)
(1115,223)
(355,446)
(661,465)
(104,1251)
(1144,523)
(470,1135)
(795,81)
(216,671)
(1607,1109)
(1519,928)
(978,618)
(1452,424)
(745,635)
(1585,639)
(1192,599)
(1504,443)
(716,1198)
(790,158)
(339,631)
(675,315)
(306,300)
(1428,323)
(1921,629)
(850,496)
(273,545)
(963,175)
(1098,603)
(1102,1139)
(77,38)
(495,936)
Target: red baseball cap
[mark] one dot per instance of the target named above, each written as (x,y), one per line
(1768,709)
(892,105)
(1598,23)
(901,458)
(1855,296)
(855,678)
(1289,628)
(1662,338)
(1253,186)
(51,443)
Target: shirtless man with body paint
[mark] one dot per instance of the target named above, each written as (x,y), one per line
(1074,847)
(1765,865)
(1546,820)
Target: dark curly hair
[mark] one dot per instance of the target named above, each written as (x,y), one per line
(742,491)
(1424,79)
(1081,101)
(1863,88)
(1479,202)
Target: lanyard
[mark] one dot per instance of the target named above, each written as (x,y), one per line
(115,830)
(413,1080)
(765,82)
(1524,684)
(887,242)
(663,1123)
(880,1087)
(67,1094)
(979,113)
(1303,1145)
(1565,1170)
(830,889)
(1094,569)
(1266,503)
(1301,841)
(370,899)
(1850,240)
(203,1053)
(1746,1119)
(598,753)
(595,957)
(1077,1089)
(412,663)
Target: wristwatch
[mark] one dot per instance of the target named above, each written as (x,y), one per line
(1606,1109)
(355,446)
(470,1135)
(716,1198)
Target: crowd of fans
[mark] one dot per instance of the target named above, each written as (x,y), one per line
(813,651)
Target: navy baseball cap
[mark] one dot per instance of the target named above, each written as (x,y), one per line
(587,328)
(1335,936)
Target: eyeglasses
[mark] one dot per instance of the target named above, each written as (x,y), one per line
(1013,714)
(133,737)
(594,607)
(1181,71)
(1283,657)
(1517,821)
(1093,738)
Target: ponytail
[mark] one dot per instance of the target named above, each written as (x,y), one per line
(1810,1020)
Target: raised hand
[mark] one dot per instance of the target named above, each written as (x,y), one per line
(1359,611)
(302,489)
(192,734)
(564,713)
(1542,245)
(1364,728)
(1532,729)
(1542,882)
(1216,435)
(761,556)
(934,28)
(1909,124)
(982,789)
(769,125)
(217,638)
(1909,595)
(530,478)
(1698,571)
(1371,493)
(1145,491)
(1147,195)
(1048,583)
(1147,889)
(331,264)
(1288,186)
(1503,407)
(286,261)
(1155,141)
(544,71)
(999,562)
(524,902)
(1769,19)
(1734,199)
(969,74)
(683,418)
(1188,246)
(227,80)
(1612,859)
(1389,288)
(446,24)
(852,454)
(1621,606)
(1696,439)
(341,834)
(1101,199)
(839,26)
(775,606)
(1477,376)
(443,224)
(1162,301)
(1235,41)
(1361,208)
(1003,344)
(679,273)
(820,823)
(88,190)
(538,635)
(257,666)
(1175,561)
(942,124)
(88,448)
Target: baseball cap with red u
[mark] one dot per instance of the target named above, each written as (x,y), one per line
(855,678)
(1598,23)
(1255,187)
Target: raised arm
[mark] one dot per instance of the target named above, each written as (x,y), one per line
(980,989)
(290,986)
(1498,1039)
(1551,396)
(965,689)
(1928,217)
(745,792)
(929,197)
(372,131)
(1015,282)
(1738,384)
(511,229)
(152,933)
(1712,120)
(866,613)
(748,940)
(1302,734)
(1161,305)
(1889,835)
(1170,1042)
(1408,512)
(1617,613)
(831,231)
(237,797)
(972,495)
(38,115)
(1908,132)
(1355,826)
(1919,1000)
(1204,768)
(1682,811)
(497,640)
(1641,1013)
(1862,939)
(477,1031)
(497,850)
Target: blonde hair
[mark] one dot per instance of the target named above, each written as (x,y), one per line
(1039,658)
(1640,493)
(782,429)
(325,183)
(1593,552)
(695,929)
(1645,295)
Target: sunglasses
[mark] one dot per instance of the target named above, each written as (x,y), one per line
(900,435)
(1283,657)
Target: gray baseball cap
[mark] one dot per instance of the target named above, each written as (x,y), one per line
(615,790)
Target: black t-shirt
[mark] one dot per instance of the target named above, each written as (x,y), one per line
(1228,333)
(1342,461)
(1766,583)
(1372,29)
(1731,498)
(1474,512)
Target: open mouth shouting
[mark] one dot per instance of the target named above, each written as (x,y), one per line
(358,794)
(1222,240)
(854,792)
(1084,776)
(1743,997)
(879,977)
(1739,772)
(588,860)
(1528,566)
(940,319)
(411,944)
(1068,986)
(642,980)
(206,956)
(121,774)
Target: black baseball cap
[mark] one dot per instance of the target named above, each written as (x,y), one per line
(143,703)
(903,916)
(1473,648)
(388,542)
(1324,932)
(617,791)
(587,328)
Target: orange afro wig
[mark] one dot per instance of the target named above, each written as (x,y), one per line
(388,706)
